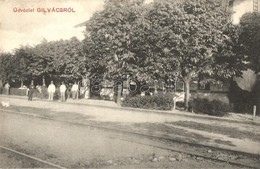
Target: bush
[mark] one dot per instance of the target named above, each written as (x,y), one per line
(242,100)
(213,108)
(18,92)
(36,94)
(45,94)
(149,102)
(181,105)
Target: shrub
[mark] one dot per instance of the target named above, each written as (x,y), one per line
(149,102)
(181,105)
(18,92)
(45,94)
(213,108)
(242,100)
(36,94)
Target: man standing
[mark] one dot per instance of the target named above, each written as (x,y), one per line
(7,88)
(1,86)
(62,91)
(51,90)
(31,91)
(69,91)
(74,90)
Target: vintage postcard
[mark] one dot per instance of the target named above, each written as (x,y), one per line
(125,84)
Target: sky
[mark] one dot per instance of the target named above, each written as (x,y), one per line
(30,28)
(241,7)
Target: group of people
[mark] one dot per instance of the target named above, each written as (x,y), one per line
(52,89)
(74,90)
(63,89)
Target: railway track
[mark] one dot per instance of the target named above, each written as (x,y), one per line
(197,150)
(41,161)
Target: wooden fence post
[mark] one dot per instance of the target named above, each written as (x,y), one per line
(254,111)
(119,95)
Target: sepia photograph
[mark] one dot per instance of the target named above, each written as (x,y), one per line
(130,84)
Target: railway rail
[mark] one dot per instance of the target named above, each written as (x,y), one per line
(198,149)
(49,164)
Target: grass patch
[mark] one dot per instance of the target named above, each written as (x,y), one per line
(229,131)
(169,130)
(27,109)
(48,113)
(229,143)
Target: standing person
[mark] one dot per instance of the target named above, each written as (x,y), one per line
(74,90)
(69,91)
(39,88)
(62,91)
(31,91)
(7,88)
(51,90)
(1,86)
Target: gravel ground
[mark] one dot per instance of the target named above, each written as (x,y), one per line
(75,146)
(235,137)
(11,160)
(236,133)
(197,129)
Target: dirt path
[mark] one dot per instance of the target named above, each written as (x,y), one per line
(245,144)
(129,118)
(82,147)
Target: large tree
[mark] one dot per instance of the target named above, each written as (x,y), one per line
(250,38)
(5,67)
(69,61)
(192,37)
(42,61)
(165,38)
(109,40)
(60,60)
(20,65)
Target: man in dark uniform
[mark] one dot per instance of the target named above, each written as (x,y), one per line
(31,91)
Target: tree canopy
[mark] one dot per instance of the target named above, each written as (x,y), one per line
(165,38)
(61,60)
(185,38)
(250,38)
(109,37)
(5,67)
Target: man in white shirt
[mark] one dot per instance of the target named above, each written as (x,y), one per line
(62,91)
(7,88)
(74,90)
(51,91)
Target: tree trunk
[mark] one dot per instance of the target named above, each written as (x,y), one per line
(43,81)
(127,85)
(187,93)
(119,94)
(21,83)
